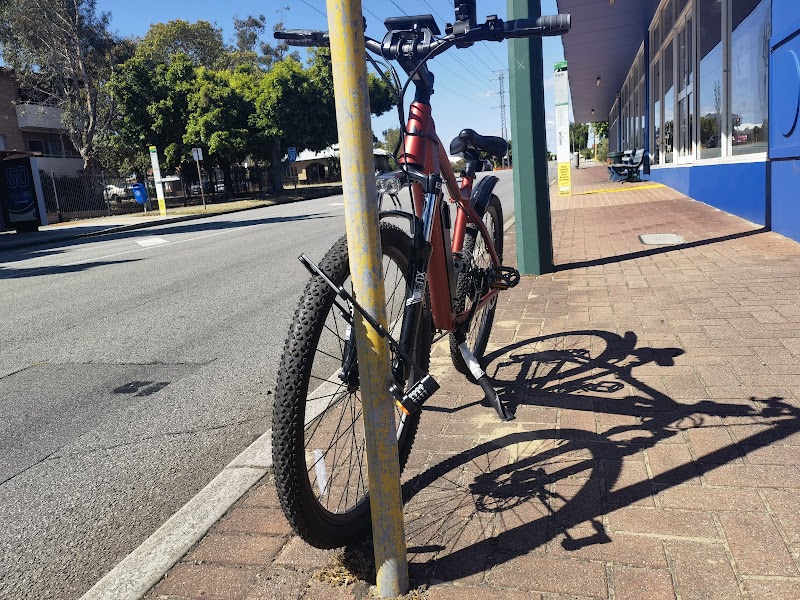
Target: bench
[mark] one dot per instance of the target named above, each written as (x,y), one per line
(627,171)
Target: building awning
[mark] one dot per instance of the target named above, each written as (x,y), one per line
(603,41)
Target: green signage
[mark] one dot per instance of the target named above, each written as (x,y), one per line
(560,66)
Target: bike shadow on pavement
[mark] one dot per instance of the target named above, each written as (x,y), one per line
(588,410)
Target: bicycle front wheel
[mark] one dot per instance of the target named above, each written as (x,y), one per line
(477,254)
(318,444)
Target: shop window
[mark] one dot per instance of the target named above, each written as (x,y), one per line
(669,103)
(667,18)
(750,25)
(710,78)
(655,114)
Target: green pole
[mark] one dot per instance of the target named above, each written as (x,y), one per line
(348,60)
(531,187)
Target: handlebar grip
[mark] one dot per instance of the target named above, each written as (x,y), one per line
(543,26)
(303,37)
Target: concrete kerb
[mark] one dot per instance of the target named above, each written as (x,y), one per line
(138,572)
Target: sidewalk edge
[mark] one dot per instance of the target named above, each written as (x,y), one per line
(145,566)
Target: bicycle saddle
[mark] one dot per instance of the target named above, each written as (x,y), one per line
(496,146)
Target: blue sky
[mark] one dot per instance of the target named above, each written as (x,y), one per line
(460,101)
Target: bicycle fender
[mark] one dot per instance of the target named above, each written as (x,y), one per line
(482,193)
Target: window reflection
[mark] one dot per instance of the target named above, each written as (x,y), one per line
(710,79)
(669,103)
(656,114)
(749,71)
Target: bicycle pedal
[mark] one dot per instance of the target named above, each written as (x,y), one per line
(504,278)
(413,399)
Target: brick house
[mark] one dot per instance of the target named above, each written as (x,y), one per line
(36,128)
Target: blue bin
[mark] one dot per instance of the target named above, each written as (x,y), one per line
(139,193)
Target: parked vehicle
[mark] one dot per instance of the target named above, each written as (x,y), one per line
(194,189)
(118,193)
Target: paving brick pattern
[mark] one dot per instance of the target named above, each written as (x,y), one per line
(656,445)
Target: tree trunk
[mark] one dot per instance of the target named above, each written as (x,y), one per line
(225,165)
(276,167)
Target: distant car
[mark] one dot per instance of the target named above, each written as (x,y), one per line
(488,165)
(739,138)
(712,141)
(118,193)
(194,189)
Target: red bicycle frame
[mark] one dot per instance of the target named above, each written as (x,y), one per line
(426,153)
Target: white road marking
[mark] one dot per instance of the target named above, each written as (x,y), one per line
(151,241)
(199,237)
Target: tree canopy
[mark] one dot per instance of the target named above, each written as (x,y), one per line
(177,87)
(62,53)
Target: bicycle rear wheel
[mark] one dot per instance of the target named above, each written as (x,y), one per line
(318,442)
(477,255)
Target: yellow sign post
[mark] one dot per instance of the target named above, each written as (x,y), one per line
(348,60)
(562,128)
(564,179)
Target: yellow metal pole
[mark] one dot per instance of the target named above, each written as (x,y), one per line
(346,29)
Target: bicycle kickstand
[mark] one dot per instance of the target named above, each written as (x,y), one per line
(481,377)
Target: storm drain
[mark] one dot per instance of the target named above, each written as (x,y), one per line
(661,239)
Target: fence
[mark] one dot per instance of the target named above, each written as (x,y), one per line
(97,195)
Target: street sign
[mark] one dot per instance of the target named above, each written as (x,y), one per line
(292,152)
(562,128)
(197,154)
(162,206)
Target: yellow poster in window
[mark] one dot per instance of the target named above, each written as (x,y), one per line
(564,181)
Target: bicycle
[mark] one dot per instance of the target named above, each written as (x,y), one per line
(433,282)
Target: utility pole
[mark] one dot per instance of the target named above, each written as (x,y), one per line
(531,187)
(501,78)
(346,26)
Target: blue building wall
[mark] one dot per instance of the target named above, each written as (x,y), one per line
(784,118)
(737,188)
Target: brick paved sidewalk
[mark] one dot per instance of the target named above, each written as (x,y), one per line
(657,441)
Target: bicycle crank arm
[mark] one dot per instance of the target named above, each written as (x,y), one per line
(480,376)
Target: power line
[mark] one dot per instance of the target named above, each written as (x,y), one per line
(312,7)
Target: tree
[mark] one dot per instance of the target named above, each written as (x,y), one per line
(295,107)
(248,46)
(391,137)
(600,129)
(153,109)
(579,136)
(218,120)
(62,53)
(200,41)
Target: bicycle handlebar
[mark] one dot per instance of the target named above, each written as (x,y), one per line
(303,37)
(495,30)
(543,26)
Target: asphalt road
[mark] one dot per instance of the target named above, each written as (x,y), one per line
(133,368)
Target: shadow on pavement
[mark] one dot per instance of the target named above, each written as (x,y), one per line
(531,482)
(59,246)
(594,262)
(11,273)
